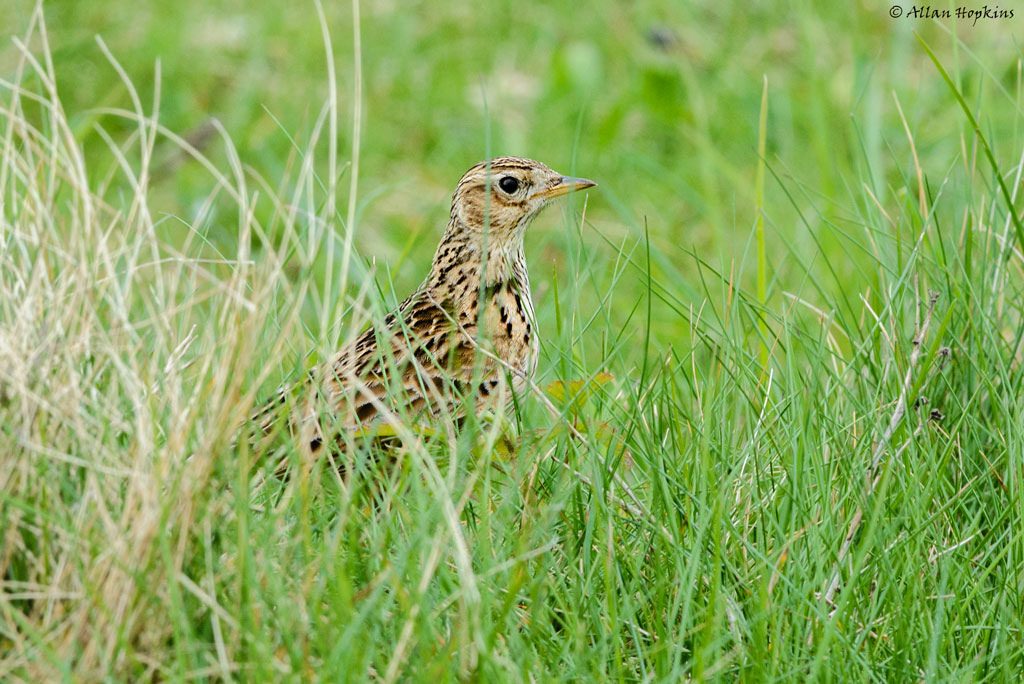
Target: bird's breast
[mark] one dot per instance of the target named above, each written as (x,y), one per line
(511,327)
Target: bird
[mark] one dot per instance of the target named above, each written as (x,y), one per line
(465,340)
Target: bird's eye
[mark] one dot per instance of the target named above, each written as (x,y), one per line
(508,184)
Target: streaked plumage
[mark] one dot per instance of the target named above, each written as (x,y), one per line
(425,358)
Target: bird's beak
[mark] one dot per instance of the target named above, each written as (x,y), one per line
(565,185)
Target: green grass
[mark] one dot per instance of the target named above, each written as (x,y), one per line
(783,355)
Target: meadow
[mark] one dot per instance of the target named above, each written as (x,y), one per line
(777,431)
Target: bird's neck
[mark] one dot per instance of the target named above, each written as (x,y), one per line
(463,263)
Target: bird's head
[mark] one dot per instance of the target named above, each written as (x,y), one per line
(497,199)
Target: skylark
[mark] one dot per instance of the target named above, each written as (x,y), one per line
(463,339)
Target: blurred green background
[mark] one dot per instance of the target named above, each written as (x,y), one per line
(657,101)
